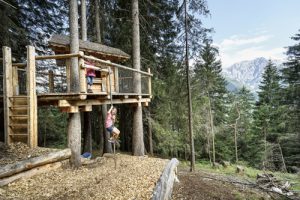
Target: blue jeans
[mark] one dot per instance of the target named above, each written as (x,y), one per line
(110,129)
(90,80)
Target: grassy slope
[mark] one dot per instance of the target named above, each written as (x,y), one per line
(250,173)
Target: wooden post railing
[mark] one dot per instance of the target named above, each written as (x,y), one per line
(7,90)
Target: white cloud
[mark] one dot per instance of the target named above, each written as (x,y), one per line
(250,54)
(239,48)
(236,40)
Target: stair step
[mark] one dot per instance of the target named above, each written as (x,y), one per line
(19,97)
(18,125)
(19,107)
(19,116)
(24,135)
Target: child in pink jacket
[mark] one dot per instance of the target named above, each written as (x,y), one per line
(90,74)
(109,124)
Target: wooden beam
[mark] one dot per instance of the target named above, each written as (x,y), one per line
(32,101)
(19,65)
(59,56)
(7,91)
(71,109)
(24,165)
(31,172)
(82,76)
(87,108)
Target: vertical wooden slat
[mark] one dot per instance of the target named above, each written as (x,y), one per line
(82,77)
(51,81)
(68,67)
(15,81)
(116,79)
(7,91)
(32,100)
(149,83)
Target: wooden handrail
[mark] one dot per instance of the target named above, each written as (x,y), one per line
(60,56)
(115,65)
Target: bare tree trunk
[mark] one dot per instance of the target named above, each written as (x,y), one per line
(74,125)
(235,134)
(97,21)
(192,168)
(212,129)
(150,133)
(107,148)
(208,144)
(87,130)
(137,135)
(83,21)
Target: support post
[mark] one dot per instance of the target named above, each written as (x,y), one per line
(149,83)
(7,91)
(32,100)
(116,70)
(15,80)
(82,78)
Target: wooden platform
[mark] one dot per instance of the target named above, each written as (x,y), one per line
(64,100)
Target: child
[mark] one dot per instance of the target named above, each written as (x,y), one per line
(109,124)
(90,74)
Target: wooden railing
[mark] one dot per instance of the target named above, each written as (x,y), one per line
(101,66)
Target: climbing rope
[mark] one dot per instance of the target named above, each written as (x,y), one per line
(111,104)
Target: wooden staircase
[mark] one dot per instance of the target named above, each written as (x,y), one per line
(18,119)
(20,111)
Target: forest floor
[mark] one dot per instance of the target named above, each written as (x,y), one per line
(218,184)
(134,178)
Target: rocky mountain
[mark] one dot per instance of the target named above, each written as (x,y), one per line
(247,73)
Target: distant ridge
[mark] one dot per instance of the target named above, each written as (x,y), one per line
(247,73)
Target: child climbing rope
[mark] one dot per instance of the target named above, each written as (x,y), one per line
(109,124)
(90,74)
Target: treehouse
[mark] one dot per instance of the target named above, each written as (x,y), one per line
(46,81)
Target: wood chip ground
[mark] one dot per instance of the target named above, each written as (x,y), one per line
(134,178)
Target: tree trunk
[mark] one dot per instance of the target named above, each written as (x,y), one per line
(150,133)
(211,119)
(97,21)
(192,149)
(235,134)
(105,135)
(83,21)
(87,130)
(137,135)
(74,126)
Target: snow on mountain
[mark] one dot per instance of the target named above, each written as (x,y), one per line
(247,73)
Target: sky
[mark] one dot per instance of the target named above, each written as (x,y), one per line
(247,29)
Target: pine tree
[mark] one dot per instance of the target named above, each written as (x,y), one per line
(11,30)
(211,85)
(266,128)
(291,100)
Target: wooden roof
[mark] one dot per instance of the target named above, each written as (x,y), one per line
(61,44)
